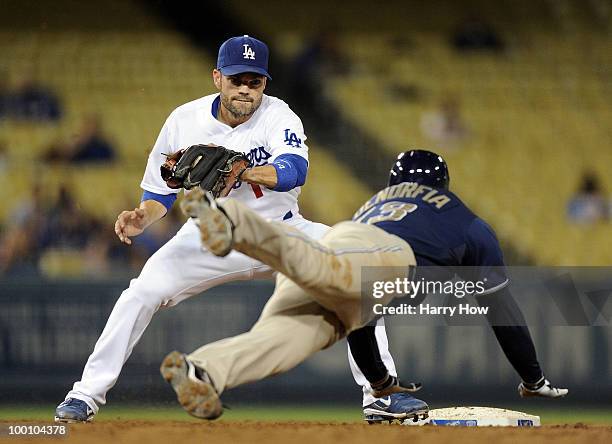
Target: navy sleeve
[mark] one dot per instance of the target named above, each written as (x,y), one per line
(484,253)
(165,199)
(504,315)
(510,328)
(291,171)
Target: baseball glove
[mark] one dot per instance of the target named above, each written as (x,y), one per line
(212,167)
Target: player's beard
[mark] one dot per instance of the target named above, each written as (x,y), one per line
(244,108)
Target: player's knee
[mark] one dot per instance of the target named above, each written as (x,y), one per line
(150,295)
(319,330)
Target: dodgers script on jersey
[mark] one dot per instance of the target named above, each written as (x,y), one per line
(440,228)
(273,129)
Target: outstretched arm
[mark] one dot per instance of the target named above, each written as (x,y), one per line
(504,315)
(133,222)
(510,329)
(285,173)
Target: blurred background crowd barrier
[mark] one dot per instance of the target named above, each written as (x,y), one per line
(515,95)
(48,329)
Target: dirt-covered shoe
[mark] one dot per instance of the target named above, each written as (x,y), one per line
(216,229)
(193,387)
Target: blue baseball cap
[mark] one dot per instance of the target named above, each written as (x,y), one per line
(243,54)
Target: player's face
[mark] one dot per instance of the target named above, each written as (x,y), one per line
(241,94)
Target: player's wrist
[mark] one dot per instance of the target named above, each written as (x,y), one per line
(152,212)
(264,175)
(245,175)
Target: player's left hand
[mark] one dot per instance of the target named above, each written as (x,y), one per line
(544,389)
(214,168)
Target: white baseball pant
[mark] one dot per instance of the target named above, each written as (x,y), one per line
(177,271)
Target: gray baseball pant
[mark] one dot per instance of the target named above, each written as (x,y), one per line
(317,299)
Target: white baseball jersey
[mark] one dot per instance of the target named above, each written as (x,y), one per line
(271,131)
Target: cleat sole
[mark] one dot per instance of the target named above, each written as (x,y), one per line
(215,227)
(71,421)
(215,231)
(198,398)
(378,417)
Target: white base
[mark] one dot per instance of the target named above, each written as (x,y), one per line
(479,417)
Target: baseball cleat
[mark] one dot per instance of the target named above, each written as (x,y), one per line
(195,393)
(400,407)
(73,410)
(215,227)
(192,201)
(541,389)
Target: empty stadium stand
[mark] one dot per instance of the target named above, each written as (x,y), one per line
(538,113)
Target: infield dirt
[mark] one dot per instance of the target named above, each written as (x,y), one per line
(177,432)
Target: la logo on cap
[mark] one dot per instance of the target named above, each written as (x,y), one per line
(248,52)
(243,54)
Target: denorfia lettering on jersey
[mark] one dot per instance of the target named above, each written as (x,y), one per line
(430,195)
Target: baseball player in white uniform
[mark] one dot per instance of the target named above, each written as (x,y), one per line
(240,117)
(243,119)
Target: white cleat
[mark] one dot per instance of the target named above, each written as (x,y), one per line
(215,227)
(543,389)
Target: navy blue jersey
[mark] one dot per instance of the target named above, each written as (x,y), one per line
(448,239)
(440,228)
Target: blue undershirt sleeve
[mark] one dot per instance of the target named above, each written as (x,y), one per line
(165,199)
(291,171)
